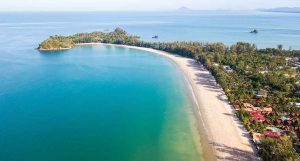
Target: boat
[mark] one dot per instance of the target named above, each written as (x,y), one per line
(255,31)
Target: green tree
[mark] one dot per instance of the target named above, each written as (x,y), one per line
(278,150)
(280,47)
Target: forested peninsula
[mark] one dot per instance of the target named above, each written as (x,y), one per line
(118,36)
(262,85)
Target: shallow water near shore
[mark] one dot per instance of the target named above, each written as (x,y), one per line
(110,103)
(96,103)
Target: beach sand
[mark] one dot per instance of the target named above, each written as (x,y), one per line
(222,129)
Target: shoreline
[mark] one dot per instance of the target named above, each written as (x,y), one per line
(56,49)
(221,130)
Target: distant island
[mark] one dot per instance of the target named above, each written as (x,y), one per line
(184,9)
(262,85)
(283,9)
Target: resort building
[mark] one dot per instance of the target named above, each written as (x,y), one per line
(271,134)
(267,109)
(248,105)
(297,104)
(257,116)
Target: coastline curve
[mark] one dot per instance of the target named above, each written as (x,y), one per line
(223,134)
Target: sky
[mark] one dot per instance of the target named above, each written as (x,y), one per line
(140,5)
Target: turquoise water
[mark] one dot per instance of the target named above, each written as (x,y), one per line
(107,103)
(95,103)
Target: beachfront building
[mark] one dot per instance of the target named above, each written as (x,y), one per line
(271,134)
(297,104)
(248,106)
(267,109)
(257,116)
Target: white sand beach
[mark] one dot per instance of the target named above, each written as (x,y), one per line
(223,130)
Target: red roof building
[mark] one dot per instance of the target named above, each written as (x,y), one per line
(292,114)
(270,134)
(288,122)
(257,116)
(277,122)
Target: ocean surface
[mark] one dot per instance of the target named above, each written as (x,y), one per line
(206,26)
(95,103)
(110,103)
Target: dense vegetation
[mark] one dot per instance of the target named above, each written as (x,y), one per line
(56,42)
(278,150)
(242,71)
(118,36)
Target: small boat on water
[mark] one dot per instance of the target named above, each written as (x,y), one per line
(155,37)
(255,31)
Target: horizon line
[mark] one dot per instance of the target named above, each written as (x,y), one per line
(182,9)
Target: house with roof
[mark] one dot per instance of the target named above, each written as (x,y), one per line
(296,64)
(273,129)
(257,116)
(248,106)
(227,68)
(297,104)
(288,122)
(271,134)
(278,122)
(289,58)
(262,93)
(267,109)
(256,108)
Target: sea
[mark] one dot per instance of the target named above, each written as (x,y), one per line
(111,103)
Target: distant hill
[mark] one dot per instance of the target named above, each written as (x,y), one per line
(283,9)
(184,9)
